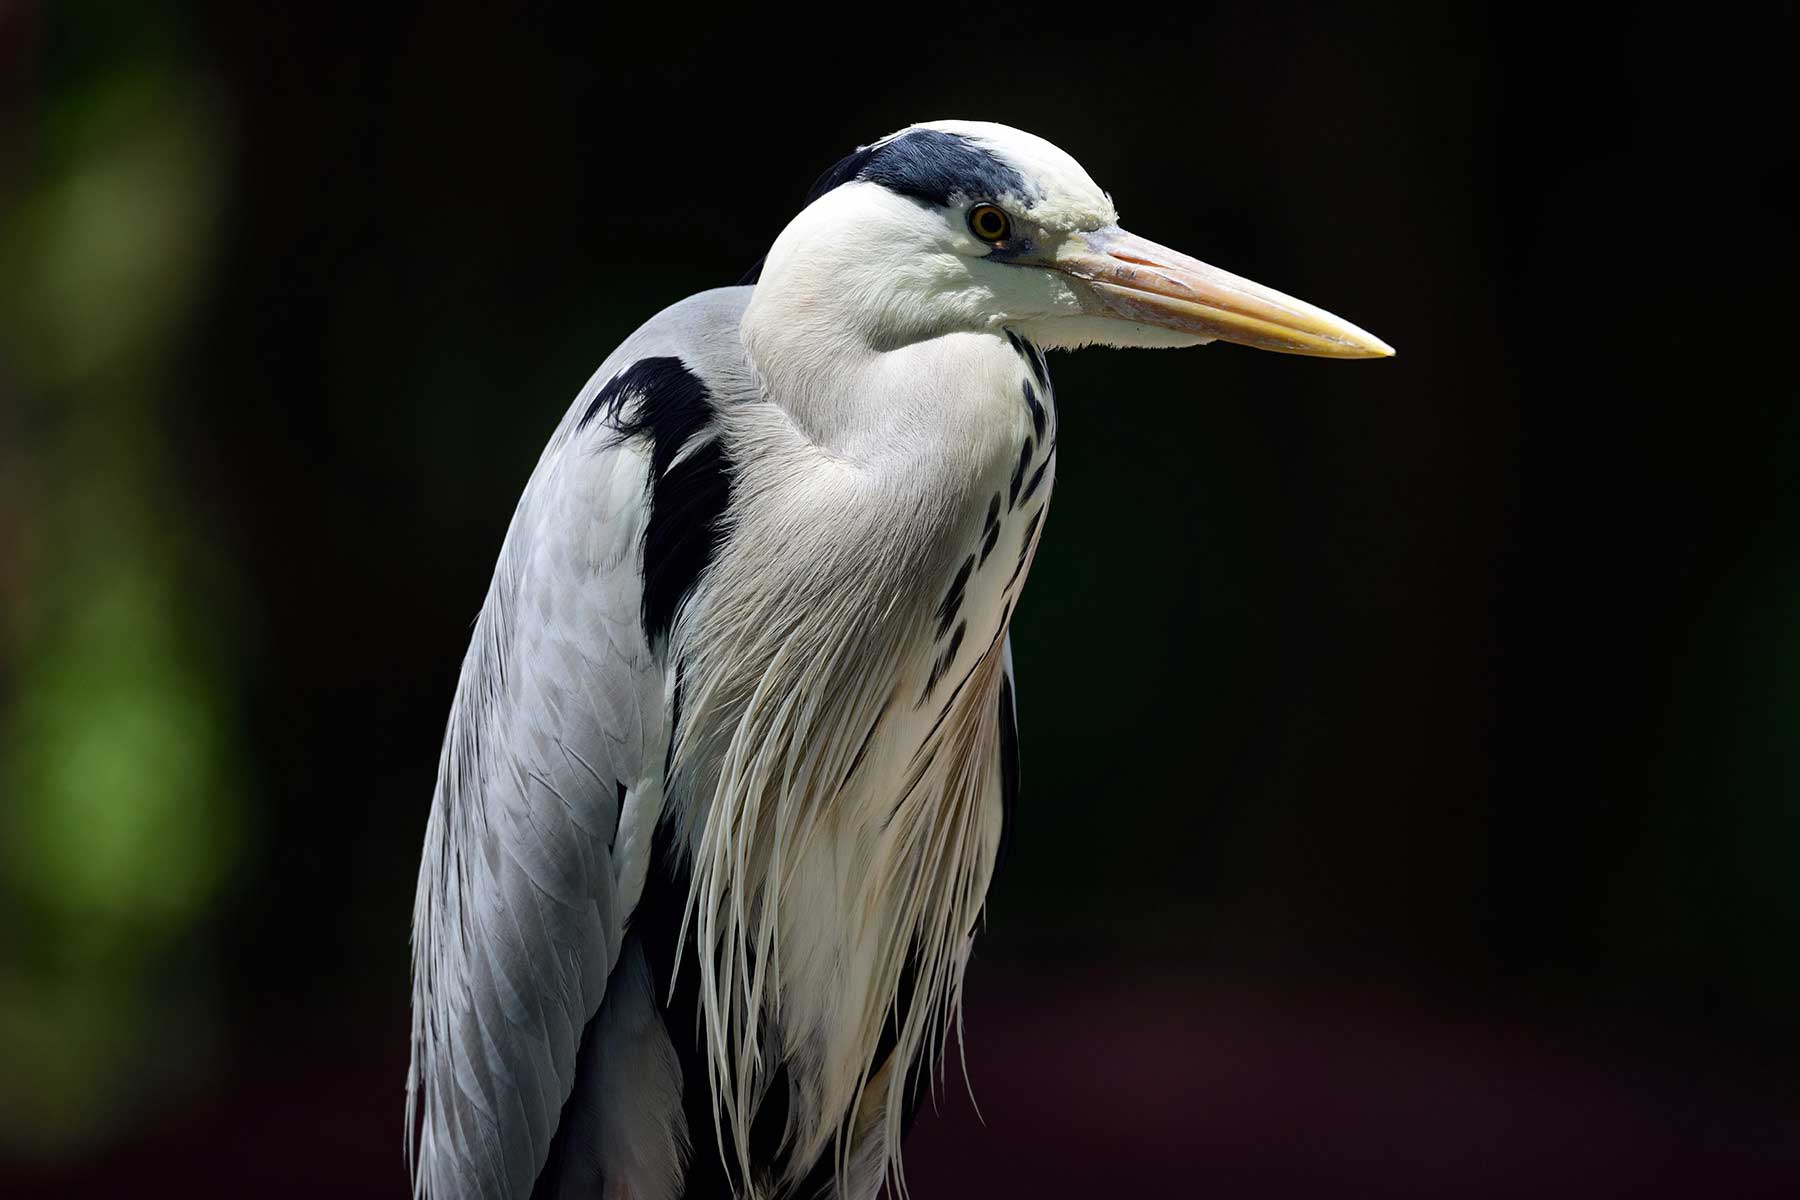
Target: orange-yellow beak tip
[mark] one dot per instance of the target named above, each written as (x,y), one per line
(1140,281)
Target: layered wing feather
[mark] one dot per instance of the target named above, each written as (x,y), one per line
(550,787)
(520,913)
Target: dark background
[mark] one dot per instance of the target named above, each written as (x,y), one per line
(1410,748)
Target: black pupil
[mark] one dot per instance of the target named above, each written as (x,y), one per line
(989,223)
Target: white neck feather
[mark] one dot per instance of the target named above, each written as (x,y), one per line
(799,646)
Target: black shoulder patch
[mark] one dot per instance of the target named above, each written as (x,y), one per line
(928,165)
(687,498)
(652,381)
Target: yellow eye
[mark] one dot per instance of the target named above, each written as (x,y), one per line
(989,223)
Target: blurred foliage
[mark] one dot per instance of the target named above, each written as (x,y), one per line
(124,810)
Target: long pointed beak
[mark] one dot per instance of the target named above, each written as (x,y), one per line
(1149,284)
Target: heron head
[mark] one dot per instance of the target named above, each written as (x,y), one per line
(968,226)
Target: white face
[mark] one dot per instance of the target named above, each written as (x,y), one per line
(960,226)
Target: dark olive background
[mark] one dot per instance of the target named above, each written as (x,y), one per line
(1411,749)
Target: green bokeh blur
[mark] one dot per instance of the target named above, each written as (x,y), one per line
(118,754)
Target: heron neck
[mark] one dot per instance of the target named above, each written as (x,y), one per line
(942,399)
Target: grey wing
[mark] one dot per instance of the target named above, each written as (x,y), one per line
(550,788)
(548,793)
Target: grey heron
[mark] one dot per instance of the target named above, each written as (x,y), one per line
(734,745)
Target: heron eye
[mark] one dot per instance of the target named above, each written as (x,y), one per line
(989,223)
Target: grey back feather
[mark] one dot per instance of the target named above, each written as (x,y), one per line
(549,787)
